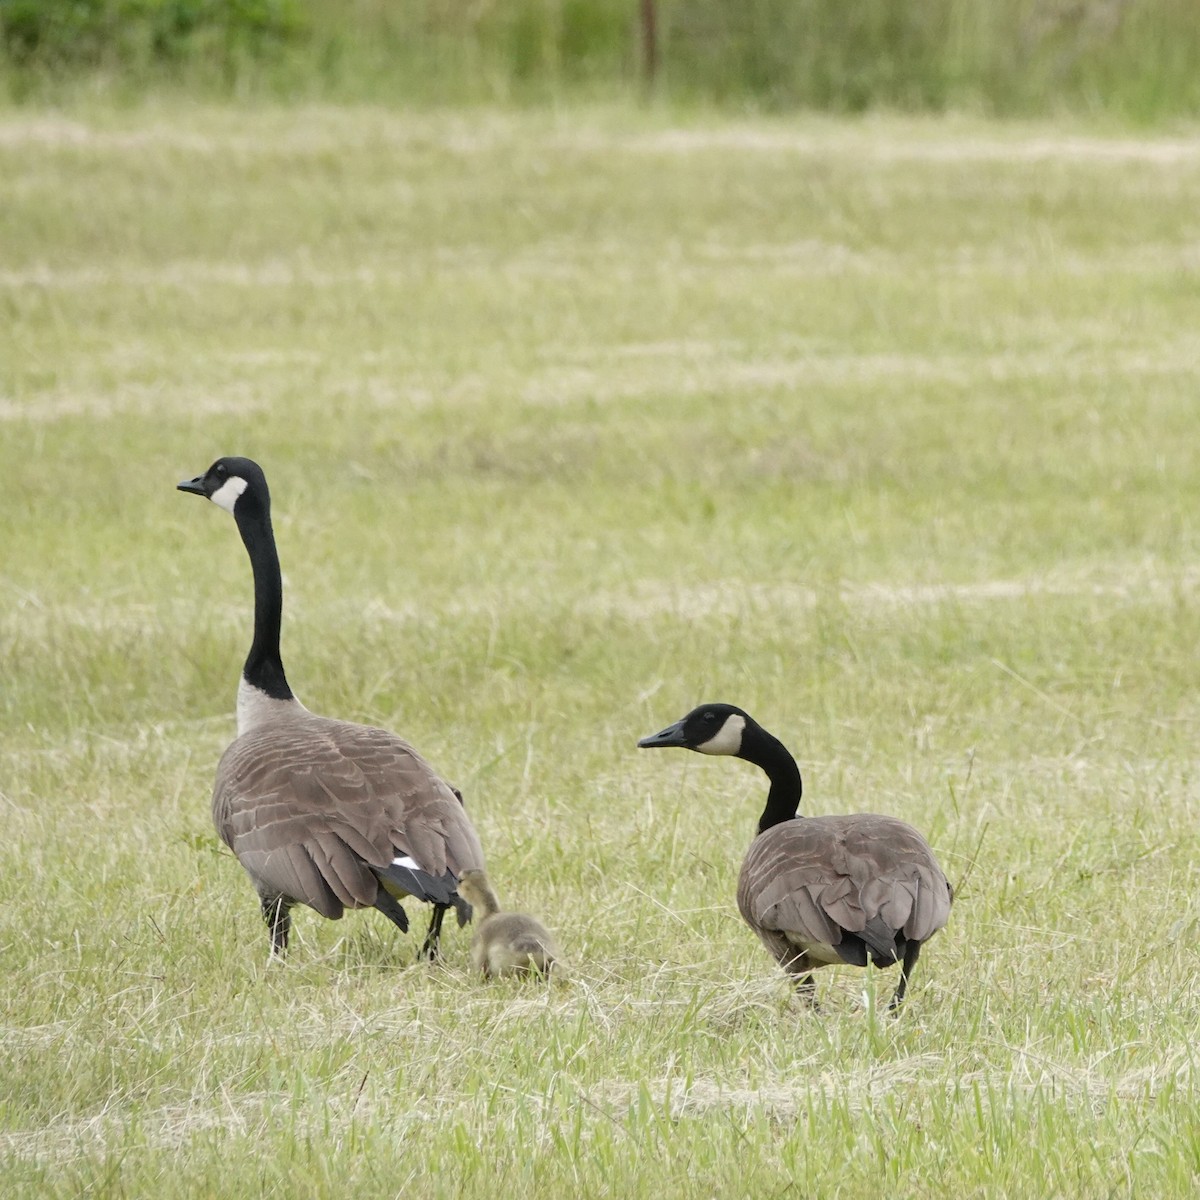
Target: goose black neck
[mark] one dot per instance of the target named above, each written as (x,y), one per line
(768,752)
(264,667)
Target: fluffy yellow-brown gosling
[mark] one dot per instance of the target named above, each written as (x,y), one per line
(506,943)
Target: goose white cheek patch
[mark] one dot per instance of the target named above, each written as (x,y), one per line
(227,494)
(727,739)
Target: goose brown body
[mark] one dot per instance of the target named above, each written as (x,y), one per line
(822,890)
(315,808)
(841,889)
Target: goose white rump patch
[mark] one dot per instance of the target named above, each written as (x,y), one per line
(408,861)
(727,739)
(227,494)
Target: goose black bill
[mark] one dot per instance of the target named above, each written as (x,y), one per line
(671,736)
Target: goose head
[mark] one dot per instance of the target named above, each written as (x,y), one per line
(237,485)
(709,729)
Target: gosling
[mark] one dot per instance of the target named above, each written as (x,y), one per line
(506,943)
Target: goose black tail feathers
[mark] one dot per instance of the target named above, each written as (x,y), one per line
(881,941)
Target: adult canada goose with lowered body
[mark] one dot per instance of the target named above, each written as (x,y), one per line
(318,811)
(822,890)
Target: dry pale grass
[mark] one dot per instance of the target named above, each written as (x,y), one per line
(882,429)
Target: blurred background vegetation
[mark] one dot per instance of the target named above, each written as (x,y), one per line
(1136,60)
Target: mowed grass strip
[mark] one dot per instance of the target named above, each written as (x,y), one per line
(883,430)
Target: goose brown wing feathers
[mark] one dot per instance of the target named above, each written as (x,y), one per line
(315,808)
(815,879)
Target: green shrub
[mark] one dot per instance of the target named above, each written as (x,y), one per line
(116,33)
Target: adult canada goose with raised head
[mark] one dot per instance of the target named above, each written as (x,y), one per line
(822,890)
(322,812)
(505,943)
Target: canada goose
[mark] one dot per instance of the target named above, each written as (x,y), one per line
(323,812)
(822,890)
(505,943)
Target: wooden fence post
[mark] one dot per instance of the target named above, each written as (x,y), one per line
(649,23)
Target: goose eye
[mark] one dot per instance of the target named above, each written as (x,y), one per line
(710,716)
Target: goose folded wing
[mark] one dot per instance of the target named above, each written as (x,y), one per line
(913,895)
(305,822)
(817,878)
(897,882)
(931,903)
(429,838)
(434,846)
(793,907)
(356,805)
(310,837)
(782,889)
(291,871)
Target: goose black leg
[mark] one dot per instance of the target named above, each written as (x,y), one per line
(912,951)
(430,948)
(276,911)
(800,970)
(390,907)
(806,989)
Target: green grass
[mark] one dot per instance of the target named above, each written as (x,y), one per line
(884,430)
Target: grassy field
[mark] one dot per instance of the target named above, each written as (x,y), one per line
(886,431)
